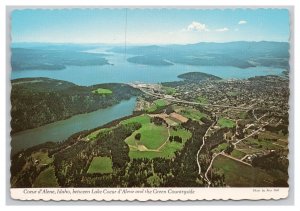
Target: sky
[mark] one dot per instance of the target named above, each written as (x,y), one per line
(149,26)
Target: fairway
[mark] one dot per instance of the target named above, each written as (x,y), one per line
(102,165)
(240,175)
(46,178)
(102,91)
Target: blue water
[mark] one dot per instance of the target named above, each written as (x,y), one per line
(120,71)
(123,71)
(61,130)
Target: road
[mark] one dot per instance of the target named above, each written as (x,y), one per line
(185,101)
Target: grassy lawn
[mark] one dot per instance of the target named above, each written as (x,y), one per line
(223,122)
(241,175)
(169,90)
(46,178)
(143,119)
(152,137)
(92,136)
(220,147)
(192,114)
(102,165)
(237,154)
(101,91)
(157,104)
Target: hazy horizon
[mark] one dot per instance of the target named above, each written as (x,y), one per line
(149,26)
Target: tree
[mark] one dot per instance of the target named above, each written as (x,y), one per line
(137,136)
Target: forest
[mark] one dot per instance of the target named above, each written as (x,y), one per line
(39,101)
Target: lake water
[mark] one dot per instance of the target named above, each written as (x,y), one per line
(120,71)
(124,72)
(61,130)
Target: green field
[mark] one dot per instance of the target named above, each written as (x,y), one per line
(241,175)
(143,119)
(92,136)
(262,144)
(102,165)
(220,147)
(152,137)
(102,91)
(192,114)
(157,104)
(237,154)
(223,122)
(46,178)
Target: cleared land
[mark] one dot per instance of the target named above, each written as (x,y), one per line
(237,154)
(156,105)
(154,140)
(220,147)
(102,165)
(102,91)
(240,175)
(92,136)
(192,113)
(46,178)
(223,122)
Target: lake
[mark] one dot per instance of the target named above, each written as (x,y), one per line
(120,71)
(60,130)
(124,72)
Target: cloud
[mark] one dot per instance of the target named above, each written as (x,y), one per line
(222,29)
(197,26)
(242,22)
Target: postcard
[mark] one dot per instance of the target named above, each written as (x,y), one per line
(149,103)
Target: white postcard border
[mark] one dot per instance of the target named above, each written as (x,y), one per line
(145,194)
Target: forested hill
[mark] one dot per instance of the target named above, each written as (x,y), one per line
(198,76)
(39,101)
(240,54)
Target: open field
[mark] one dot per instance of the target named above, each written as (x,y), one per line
(157,104)
(152,136)
(92,136)
(143,119)
(192,113)
(101,91)
(220,147)
(154,139)
(42,158)
(262,144)
(240,175)
(223,122)
(102,165)
(46,178)
(237,154)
